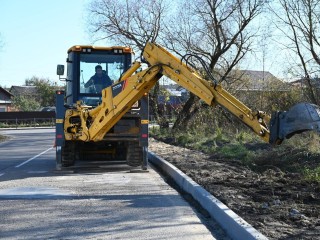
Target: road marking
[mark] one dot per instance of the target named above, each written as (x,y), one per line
(31,172)
(30,159)
(34,193)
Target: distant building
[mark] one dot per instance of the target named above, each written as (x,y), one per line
(239,81)
(303,82)
(242,80)
(5,100)
(176,97)
(24,90)
(177,90)
(257,81)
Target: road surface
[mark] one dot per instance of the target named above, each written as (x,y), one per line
(104,202)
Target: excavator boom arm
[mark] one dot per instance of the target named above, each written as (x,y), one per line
(135,85)
(209,92)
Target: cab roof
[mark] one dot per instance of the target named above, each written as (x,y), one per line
(81,48)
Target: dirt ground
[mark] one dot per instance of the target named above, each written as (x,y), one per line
(280,205)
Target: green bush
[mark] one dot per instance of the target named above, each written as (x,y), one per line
(312,174)
(237,152)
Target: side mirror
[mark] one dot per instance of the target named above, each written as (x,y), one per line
(60,70)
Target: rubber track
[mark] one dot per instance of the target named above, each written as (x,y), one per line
(134,154)
(68,154)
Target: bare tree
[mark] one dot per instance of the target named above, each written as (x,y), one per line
(217,30)
(301,20)
(131,23)
(127,22)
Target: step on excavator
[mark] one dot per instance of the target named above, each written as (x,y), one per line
(106,117)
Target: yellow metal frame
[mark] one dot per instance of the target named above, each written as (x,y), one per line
(110,111)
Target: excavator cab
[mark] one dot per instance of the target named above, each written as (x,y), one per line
(90,70)
(81,69)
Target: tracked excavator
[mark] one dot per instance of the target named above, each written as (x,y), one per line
(113,124)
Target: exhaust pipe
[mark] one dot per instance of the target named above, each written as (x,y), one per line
(300,118)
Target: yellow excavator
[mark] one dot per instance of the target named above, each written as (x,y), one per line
(113,124)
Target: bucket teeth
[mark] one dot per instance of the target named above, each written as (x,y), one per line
(300,118)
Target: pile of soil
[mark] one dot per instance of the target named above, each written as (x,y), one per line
(280,204)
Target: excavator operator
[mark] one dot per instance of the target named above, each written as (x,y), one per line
(98,81)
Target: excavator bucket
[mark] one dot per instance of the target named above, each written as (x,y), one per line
(300,118)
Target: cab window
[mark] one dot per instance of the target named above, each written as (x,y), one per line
(112,66)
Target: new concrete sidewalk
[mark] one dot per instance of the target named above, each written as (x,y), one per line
(235,226)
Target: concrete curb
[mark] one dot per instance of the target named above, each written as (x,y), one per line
(235,226)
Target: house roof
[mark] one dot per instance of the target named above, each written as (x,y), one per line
(174,87)
(259,81)
(257,75)
(247,80)
(6,92)
(25,90)
(315,82)
(174,92)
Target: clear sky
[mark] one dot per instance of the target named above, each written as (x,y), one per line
(36,35)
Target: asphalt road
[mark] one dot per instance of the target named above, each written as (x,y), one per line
(102,202)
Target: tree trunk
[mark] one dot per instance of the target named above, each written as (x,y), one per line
(311,92)
(187,112)
(159,117)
